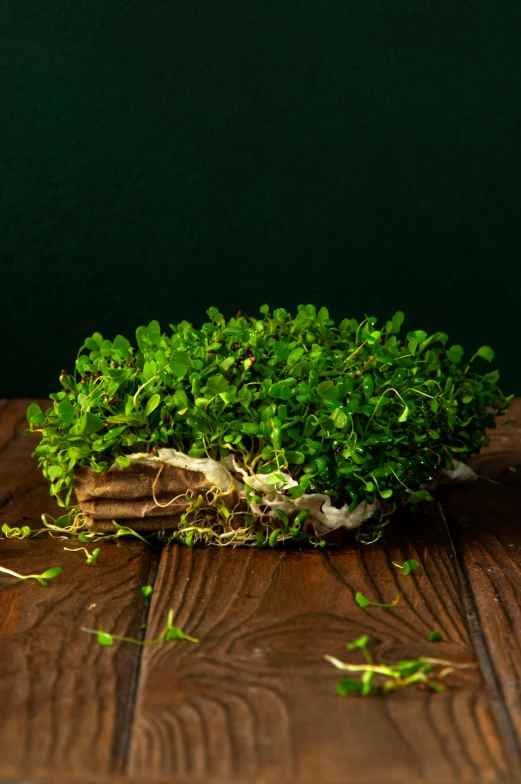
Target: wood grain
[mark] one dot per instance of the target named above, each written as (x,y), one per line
(255,701)
(66,703)
(485,523)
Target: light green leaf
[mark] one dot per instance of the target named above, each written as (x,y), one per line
(105,639)
(486,352)
(152,404)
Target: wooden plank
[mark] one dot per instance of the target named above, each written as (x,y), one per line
(66,703)
(255,700)
(485,524)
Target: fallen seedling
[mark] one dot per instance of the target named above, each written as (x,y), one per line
(42,578)
(147,592)
(169,633)
(408,567)
(91,557)
(381,679)
(363,602)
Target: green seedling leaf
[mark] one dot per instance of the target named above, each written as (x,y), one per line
(105,639)
(93,557)
(50,573)
(35,416)
(420,495)
(435,637)
(361,642)
(152,404)
(363,602)
(41,578)
(403,416)
(408,566)
(486,352)
(147,592)
(348,686)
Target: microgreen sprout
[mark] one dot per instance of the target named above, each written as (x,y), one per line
(360,413)
(42,578)
(169,633)
(363,602)
(16,533)
(381,679)
(147,592)
(435,636)
(408,566)
(90,557)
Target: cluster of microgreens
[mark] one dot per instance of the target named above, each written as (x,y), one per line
(352,411)
(386,678)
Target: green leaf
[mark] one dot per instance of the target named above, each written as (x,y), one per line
(348,686)
(147,591)
(251,428)
(154,333)
(420,495)
(339,418)
(91,423)
(386,493)
(180,363)
(435,637)
(152,404)
(410,566)
(297,458)
(217,384)
(295,355)
(174,633)
(491,378)
(280,390)
(486,352)
(361,642)
(403,416)
(323,314)
(361,600)
(105,639)
(328,390)
(281,514)
(227,363)
(64,521)
(123,461)
(455,353)
(35,416)
(66,412)
(50,573)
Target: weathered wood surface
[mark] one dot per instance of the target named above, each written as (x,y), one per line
(485,524)
(254,701)
(65,703)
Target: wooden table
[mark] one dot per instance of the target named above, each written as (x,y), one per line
(255,701)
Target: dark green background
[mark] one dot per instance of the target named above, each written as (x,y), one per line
(158,157)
